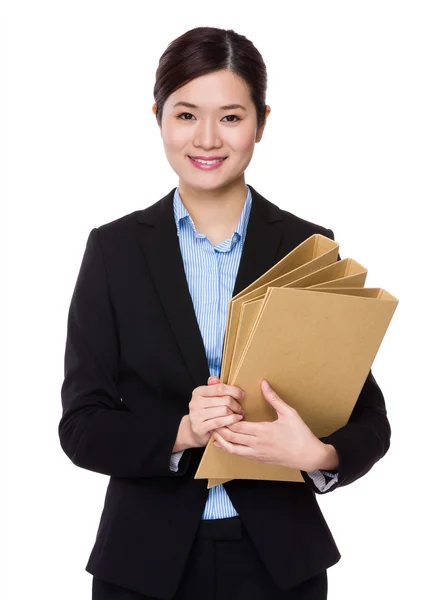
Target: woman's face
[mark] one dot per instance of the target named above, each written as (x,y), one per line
(195,124)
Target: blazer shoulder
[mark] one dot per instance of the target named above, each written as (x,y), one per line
(129,223)
(120,229)
(121,223)
(294,222)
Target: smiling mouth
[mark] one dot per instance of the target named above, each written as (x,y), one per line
(209,161)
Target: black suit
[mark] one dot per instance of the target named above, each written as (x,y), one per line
(134,354)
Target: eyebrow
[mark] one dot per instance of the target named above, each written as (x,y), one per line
(227,107)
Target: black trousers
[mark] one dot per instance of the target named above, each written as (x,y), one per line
(223,565)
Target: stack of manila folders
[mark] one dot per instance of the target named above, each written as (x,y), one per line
(312,330)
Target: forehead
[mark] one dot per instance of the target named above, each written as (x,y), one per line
(212,91)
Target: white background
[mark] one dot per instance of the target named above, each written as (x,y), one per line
(356,141)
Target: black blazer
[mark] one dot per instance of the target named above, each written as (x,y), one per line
(134,353)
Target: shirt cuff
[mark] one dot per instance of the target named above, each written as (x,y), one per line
(323,480)
(175,459)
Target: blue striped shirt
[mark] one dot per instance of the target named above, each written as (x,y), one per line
(211,272)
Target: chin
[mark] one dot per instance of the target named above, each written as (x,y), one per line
(204,185)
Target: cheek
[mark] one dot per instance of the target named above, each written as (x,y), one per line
(243,139)
(174,138)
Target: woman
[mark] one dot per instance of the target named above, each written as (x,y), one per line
(141,394)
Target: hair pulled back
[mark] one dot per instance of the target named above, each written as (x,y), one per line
(204,50)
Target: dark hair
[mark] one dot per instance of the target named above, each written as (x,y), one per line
(205,50)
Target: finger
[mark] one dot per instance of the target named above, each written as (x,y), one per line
(221,389)
(274,399)
(237,449)
(221,422)
(207,402)
(247,428)
(235,438)
(213,379)
(212,412)
(235,406)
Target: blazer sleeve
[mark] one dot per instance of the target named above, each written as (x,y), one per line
(363,441)
(96,431)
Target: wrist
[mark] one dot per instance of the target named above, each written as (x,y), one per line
(328,459)
(185,438)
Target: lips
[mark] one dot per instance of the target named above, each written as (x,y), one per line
(198,160)
(209,165)
(208,157)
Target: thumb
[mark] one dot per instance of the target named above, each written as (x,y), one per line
(274,399)
(213,380)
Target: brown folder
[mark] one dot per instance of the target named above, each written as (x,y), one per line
(315,347)
(345,273)
(311,255)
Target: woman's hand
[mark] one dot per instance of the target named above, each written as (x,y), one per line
(212,406)
(287,442)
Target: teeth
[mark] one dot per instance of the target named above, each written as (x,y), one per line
(208,162)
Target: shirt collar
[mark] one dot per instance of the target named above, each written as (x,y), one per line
(182,215)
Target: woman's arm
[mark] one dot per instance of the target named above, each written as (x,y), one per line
(184,438)
(97,431)
(364,440)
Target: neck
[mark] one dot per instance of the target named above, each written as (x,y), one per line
(214,211)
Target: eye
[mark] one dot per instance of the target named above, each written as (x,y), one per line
(191,115)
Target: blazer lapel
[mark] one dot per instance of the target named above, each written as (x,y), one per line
(162,251)
(263,236)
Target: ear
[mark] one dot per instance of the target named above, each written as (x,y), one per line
(154,110)
(260,130)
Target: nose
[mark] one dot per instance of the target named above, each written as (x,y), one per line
(207,134)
